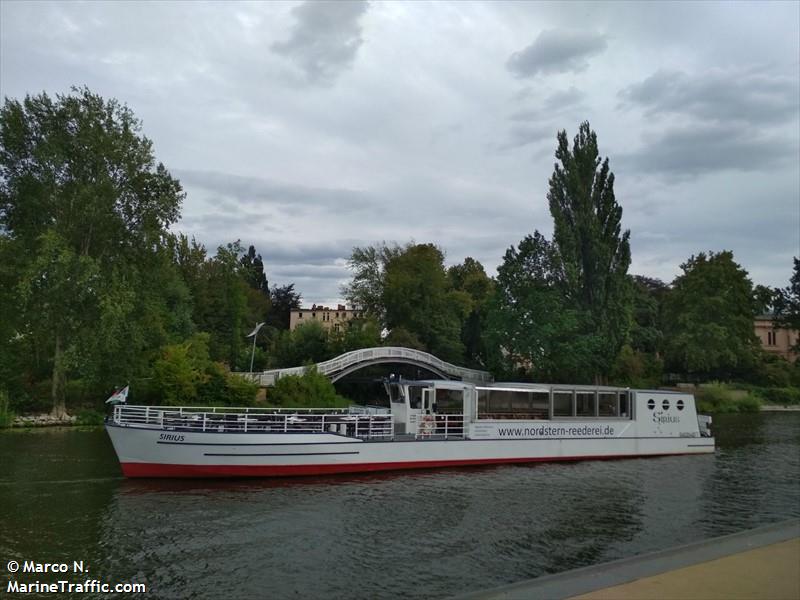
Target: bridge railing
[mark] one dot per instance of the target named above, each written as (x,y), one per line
(365,355)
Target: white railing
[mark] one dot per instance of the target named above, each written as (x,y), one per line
(255,420)
(366,355)
(442,425)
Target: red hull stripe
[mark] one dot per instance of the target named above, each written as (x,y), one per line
(132,469)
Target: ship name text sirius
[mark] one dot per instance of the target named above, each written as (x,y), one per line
(428,424)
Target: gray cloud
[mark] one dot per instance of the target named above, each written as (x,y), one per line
(695,150)
(325,38)
(555,103)
(740,95)
(524,135)
(409,148)
(557,51)
(261,191)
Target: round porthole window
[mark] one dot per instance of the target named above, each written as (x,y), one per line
(651,404)
(665,404)
(679,404)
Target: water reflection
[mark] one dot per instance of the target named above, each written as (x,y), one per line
(416,534)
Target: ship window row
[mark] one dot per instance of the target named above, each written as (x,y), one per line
(541,404)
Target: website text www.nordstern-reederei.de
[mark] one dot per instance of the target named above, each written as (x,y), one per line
(552,431)
(77,569)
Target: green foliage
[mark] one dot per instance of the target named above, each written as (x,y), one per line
(783,396)
(310,390)
(593,253)
(470,277)
(185,375)
(775,371)
(403,338)
(418,296)
(252,267)
(708,319)
(532,329)
(85,209)
(562,309)
(282,300)
(6,413)
(356,334)
(636,369)
(307,343)
(718,397)
(366,290)
(646,333)
(89,417)
(787,304)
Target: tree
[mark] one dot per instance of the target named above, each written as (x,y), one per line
(787,303)
(646,333)
(470,278)
(253,271)
(708,318)
(593,251)
(222,310)
(765,299)
(418,296)
(356,334)
(307,343)
(283,299)
(309,390)
(366,289)
(83,201)
(532,327)
(563,308)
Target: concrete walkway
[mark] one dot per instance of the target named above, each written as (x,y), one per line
(761,564)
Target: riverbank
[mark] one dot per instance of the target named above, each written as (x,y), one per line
(754,564)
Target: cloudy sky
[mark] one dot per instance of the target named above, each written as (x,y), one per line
(309,128)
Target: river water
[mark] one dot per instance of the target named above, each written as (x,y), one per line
(426,534)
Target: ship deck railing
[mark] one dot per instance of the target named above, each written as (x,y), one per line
(256,420)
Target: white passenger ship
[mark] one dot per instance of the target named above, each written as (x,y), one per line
(428,424)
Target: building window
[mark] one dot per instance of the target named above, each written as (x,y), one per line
(313,315)
(299,315)
(770,338)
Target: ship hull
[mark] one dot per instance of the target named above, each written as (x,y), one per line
(145,452)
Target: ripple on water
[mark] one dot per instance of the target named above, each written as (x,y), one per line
(417,534)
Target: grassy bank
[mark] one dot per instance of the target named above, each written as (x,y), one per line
(718,397)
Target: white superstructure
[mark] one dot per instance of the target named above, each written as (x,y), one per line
(428,424)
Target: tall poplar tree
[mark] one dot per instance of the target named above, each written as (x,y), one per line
(593,250)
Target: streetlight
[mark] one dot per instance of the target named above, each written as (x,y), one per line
(254,335)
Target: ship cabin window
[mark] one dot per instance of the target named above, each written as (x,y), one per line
(679,404)
(396,393)
(624,405)
(449,401)
(562,403)
(504,403)
(415,396)
(585,404)
(607,404)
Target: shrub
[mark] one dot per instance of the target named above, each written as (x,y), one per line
(718,397)
(240,391)
(6,414)
(310,390)
(184,375)
(89,417)
(784,396)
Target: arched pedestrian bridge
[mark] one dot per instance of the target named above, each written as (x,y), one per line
(347,363)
